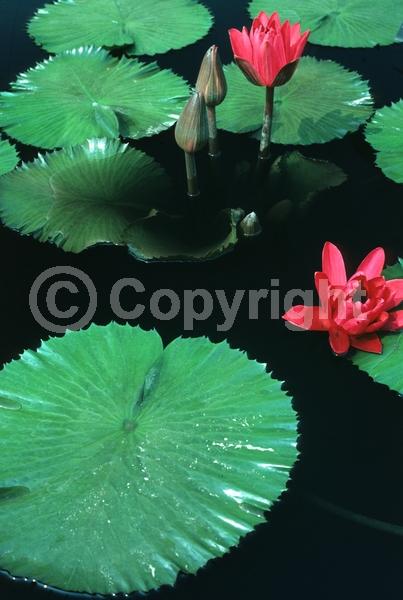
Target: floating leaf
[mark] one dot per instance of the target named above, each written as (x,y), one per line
(8,157)
(322,101)
(385,368)
(298,178)
(81,196)
(86,93)
(145,27)
(394,271)
(164,237)
(350,24)
(385,134)
(139,462)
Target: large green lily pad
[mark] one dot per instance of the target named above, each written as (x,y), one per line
(322,101)
(142,26)
(347,23)
(81,196)
(86,93)
(8,157)
(387,367)
(384,133)
(131,462)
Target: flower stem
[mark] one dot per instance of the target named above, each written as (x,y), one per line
(191,174)
(214,149)
(267,125)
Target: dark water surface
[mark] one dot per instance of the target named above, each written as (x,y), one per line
(351,429)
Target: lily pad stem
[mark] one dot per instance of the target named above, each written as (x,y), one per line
(264,153)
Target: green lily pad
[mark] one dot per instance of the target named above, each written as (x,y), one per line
(346,23)
(8,157)
(144,27)
(162,237)
(323,101)
(86,93)
(384,133)
(297,178)
(385,368)
(81,196)
(394,271)
(133,462)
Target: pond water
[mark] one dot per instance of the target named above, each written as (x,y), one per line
(351,439)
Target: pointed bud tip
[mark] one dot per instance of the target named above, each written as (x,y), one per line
(211,81)
(250,226)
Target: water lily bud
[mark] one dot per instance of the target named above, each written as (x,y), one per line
(192,132)
(211,81)
(250,226)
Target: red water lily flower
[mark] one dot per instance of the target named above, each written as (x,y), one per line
(353,310)
(268,55)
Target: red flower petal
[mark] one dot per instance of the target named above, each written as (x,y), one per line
(274,21)
(265,63)
(363,320)
(295,34)
(277,56)
(300,46)
(241,45)
(286,35)
(339,341)
(307,317)
(262,20)
(395,321)
(375,288)
(379,324)
(367,343)
(333,264)
(373,263)
(395,287)
(322,287)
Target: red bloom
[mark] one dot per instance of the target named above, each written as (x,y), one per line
(352,310)
(268,55)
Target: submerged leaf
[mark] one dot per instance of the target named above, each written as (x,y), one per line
(351,24)
(141,462)
(81,196)
(322,101)
(296,178)
(385,134)
(86,93)
(164,237)
(145,27)
(8,157)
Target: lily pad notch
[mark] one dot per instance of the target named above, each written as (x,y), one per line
(140,26)
(87,93)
